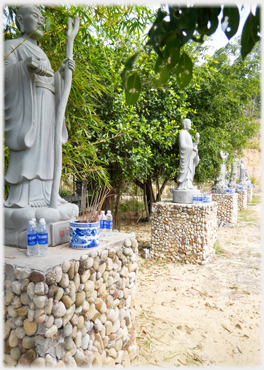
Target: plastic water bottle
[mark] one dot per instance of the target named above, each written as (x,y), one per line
(102,223)
(109,223)
(42,238)
(32,243)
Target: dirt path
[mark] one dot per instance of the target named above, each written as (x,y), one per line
(203,314)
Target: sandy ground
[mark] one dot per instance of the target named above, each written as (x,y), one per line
(200,315)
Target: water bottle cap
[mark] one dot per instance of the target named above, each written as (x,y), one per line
(108,212)
(103,212)
(31,222)
(34,219)
(42,221)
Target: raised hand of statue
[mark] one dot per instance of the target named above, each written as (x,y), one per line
(71,65)
(36,67)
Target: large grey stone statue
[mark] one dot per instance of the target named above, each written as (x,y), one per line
(32,94)
(189,159)
(220,184)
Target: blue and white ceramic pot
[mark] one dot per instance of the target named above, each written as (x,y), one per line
(84,235)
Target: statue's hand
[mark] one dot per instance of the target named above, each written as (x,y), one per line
(71,65)
(36,67)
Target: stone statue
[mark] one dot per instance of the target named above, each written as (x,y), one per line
(30,88)
(242,172)
(32,94)
(243,176)
(189,157)
(220,184)
(232,181)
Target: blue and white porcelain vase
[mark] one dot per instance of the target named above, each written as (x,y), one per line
(84,235)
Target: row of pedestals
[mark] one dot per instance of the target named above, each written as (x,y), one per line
(187,232)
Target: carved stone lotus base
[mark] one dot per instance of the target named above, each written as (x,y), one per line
(16,221)
(184,196)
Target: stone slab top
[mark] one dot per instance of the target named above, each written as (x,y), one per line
(60,253)
(188,205)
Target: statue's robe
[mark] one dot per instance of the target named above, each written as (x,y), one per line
(189,159)
(30,112)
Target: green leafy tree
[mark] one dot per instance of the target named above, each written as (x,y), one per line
(145,147)
(171,32)
(224,96)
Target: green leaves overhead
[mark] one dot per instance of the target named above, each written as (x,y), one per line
(184,70)
(172,30)
(250,33)
(133,88)
(230,21)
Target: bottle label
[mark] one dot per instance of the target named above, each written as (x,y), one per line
(43,238)
(108,225)
(101,224)
(32,239)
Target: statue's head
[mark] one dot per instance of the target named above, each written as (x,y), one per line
(186,123)
(28,21)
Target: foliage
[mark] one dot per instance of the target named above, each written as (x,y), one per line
(220,95)
(173,29)
(147,150)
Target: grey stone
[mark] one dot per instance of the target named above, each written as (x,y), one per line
(184,196)
(189,157)
(21,273)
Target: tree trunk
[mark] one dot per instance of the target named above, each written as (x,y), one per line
(145,200)
(160,190)
(149,195)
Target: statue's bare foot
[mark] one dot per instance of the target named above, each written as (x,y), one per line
(38,203)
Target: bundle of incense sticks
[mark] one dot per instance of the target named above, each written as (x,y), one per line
(94,205)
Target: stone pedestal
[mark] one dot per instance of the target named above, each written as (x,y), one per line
(242,199)
(16,221)
(183,232)
(227,207)
(184,196)
(249,194)
(72,307)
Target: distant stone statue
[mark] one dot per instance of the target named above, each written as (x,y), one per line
(220,184)
(232,181)
(32,96)
(242,173)
(32,93)
(189,157)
